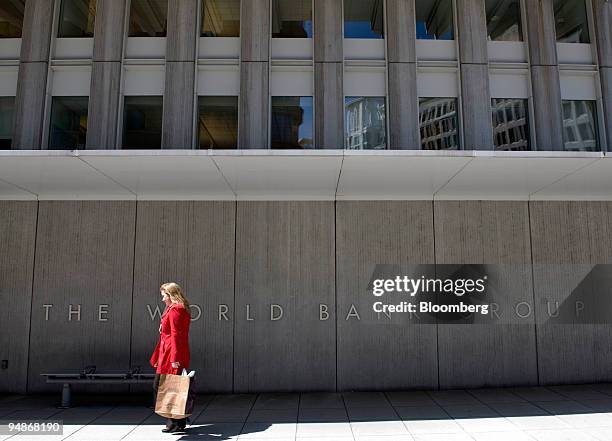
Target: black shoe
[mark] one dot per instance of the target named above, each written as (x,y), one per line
(170,429)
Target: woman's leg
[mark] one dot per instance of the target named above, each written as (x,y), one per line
(169,421)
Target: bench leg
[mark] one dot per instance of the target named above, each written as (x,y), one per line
(66,396)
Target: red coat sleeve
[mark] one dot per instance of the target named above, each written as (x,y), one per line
(176,333)
(155,357)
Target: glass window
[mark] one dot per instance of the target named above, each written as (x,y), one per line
(220,18)
(510,124)
(11,18)
(363,19)
(504,20)
(571,22)
(365,125)
(218,122)
(7,114)
(142,122)
(291,122)
(292,18)
(579,126)
(77,19)
(68,128)
(148,18)
(438,123)
(434,19)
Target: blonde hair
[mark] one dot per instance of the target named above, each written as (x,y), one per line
(176,294)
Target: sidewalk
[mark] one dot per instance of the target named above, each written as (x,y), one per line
(553,413)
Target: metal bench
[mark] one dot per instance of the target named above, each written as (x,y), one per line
(90,375)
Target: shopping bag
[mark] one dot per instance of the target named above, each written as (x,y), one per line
(173,397)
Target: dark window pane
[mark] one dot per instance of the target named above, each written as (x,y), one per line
(148,18)
(510,124)
(291,122)
(142,122)
(218,122)
(580,126)
(68,128)
(7,113)
(434,19)
(220,18)
(365,123)
(292,18)
(438,123)
(504,20)
(11,18)
(571,21)
(77,18)
(363,19)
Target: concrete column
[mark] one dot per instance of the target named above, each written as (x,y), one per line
(180,74)
(329,73)
(546,88)
(602,14)
(402,75)
(105,91)
(473,57)
(253,108)
(32,80)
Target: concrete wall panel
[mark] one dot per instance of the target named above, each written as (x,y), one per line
(472,31)
(403,106)
(191,243)
(104,105)
(255,30)
(254,106)
(568,237)
(109,30)
(329,105)
(178,105)
(483,352)
(602,15)
(546,96)
(476,104)
(284,256)
(401,31)
(540,32)
(30,106)
(84,256)
(373,351)
(37,25)
(182,30)
(328,31)
(17,236)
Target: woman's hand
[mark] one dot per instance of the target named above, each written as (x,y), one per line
(175,364)
(155,365)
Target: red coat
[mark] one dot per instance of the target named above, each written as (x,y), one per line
(173,344)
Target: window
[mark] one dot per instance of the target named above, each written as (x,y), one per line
(68,128)
(292,18)
(148,18)
(220,18)
(434,19)
(510,124)
(438,123)
(142,122)
(504,20)
(571,22)
(218,122)
(77,19)
(363,19)
(365,125)
(579,126)
(291,122)
(7,114)
(11,18)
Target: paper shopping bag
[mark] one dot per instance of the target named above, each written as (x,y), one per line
(173,396)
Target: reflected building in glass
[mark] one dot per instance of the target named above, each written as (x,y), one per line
(438,124)
(510,124)
(365,122)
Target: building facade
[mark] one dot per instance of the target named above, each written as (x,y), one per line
(272,155)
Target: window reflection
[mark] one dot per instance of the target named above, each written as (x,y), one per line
(571,22)
(291,122)
(504,20)
(292,18)
(11,18)
(218,122)
(434,19)
(220,18)
(438,123)
(142,122)
(148,18)
(77,19)
(579,126)
(510,124)
(365,123)
(7,113)
(68,129)
(363,19)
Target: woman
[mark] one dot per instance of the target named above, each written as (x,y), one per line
(171,355)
